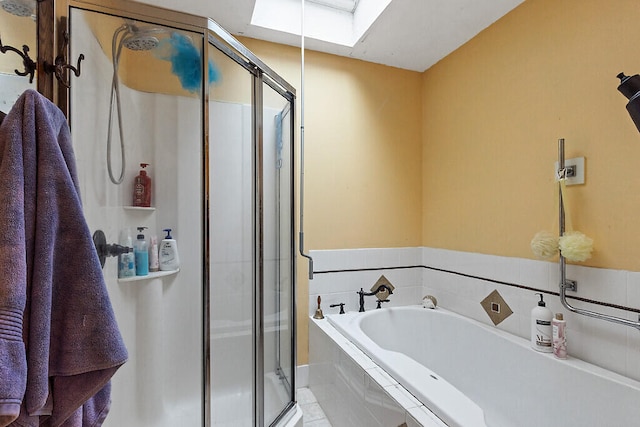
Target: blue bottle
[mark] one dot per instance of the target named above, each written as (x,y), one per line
(141,252)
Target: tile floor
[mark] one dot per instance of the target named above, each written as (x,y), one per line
(312,413)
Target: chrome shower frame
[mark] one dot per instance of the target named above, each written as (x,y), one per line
(566,284)
(216,36)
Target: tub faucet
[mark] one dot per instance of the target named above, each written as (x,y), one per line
(363,294)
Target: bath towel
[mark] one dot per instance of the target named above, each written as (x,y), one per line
(59,340)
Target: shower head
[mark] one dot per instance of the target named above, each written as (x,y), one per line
(140,42)
(139,38)
(19,7)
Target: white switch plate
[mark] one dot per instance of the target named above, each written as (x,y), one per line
(578,163)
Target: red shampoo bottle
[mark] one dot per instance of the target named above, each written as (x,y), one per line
(142,188)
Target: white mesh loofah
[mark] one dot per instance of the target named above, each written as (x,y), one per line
(544,244)
(575,246)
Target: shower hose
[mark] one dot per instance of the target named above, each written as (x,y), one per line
(116,49)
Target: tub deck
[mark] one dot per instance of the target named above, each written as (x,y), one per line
(473,375)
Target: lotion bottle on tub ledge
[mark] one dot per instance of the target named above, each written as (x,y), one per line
(541,332)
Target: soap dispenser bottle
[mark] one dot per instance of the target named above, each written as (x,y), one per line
(168,254)
(541,333)
(142,188)
(141,252)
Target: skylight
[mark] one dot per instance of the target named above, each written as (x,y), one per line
(341,22)
(343,5)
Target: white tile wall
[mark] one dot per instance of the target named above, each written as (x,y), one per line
(335,288)
(611,346)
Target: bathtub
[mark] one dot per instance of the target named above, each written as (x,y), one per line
(472,375)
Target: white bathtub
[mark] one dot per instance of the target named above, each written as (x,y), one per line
(472,375)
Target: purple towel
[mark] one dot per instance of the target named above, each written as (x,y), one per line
(59,340)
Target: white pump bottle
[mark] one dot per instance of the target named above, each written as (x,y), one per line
(168,253)
(541,331)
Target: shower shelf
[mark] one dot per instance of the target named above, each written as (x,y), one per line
(139,208)
(150,276)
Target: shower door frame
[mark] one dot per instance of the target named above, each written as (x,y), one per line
(262,74)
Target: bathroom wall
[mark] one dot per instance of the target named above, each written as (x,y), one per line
(492,114)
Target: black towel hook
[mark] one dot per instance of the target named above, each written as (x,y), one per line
(29,65)
(60,65)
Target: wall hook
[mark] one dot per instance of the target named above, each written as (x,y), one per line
(60,65)
(29,65)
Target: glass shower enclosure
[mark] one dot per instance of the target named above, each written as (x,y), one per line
(212,342)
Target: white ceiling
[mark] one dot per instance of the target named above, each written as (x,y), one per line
(409,34)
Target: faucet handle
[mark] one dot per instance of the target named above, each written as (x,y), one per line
(380,301)
(341,304)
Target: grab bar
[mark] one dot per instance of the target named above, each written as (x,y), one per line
(567,284)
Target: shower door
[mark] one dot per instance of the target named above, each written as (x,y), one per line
(277,116)
(159,315)
(232,259)
(251,291)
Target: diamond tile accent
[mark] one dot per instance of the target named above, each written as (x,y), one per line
(496,307)
(382,295)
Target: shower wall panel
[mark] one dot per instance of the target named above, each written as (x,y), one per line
(161,318)
(232,258)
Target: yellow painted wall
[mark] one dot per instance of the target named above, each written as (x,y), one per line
(16,32)
(362,155)
(493,112)
(362,147)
